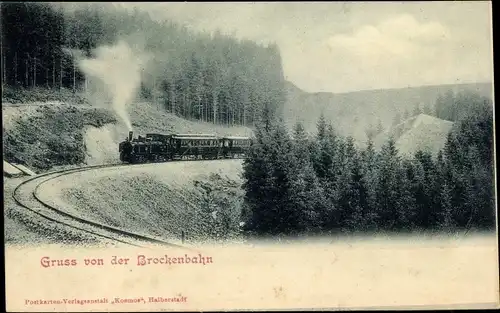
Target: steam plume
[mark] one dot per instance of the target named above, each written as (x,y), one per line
(119,68)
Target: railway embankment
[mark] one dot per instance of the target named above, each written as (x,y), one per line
(199,201)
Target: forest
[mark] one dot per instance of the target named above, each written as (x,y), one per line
(200,76)
(298,184)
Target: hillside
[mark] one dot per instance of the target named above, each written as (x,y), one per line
(352,113)
(44,135)
(422,132)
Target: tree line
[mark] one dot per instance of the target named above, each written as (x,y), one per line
(449,106)
(209,77)
(324,184)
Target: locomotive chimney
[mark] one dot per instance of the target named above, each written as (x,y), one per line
(130,134)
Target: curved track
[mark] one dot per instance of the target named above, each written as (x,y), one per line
(25,195)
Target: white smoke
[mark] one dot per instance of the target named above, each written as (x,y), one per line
(119,68)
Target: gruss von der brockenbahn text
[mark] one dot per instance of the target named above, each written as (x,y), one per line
(162,148)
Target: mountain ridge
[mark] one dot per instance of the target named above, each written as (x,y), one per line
(289,83)
(352,113)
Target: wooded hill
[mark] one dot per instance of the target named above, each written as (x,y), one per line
(363,114)
(209,77)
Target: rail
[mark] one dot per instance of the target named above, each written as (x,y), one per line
(114,230)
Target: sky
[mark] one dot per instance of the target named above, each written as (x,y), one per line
(342,47)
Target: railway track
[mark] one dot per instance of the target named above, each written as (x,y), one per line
(26,195)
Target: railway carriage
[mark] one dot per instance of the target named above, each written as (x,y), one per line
(197,146)
(235,146)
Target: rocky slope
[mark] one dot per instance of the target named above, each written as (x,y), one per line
(422,132)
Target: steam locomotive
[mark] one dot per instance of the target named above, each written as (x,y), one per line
(162,148)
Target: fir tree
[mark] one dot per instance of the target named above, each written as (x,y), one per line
(387,191)
(370,179)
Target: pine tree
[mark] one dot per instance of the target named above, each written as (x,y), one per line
(354,197)
(322,156)
(301,142)
(306,197)
(370,179)
(386,189)
(321,127)
(405,210)
(425,190)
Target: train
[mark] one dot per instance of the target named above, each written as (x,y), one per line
(162,148)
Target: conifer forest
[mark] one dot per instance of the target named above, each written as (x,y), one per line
(297,183)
